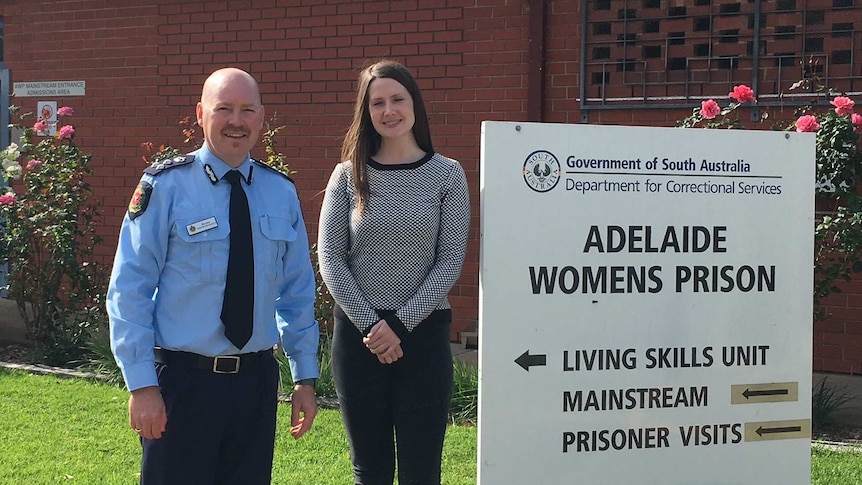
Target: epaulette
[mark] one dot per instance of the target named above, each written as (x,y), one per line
(273,169)
(160,167)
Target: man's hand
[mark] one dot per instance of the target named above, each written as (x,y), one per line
(147,412)
(303,405)
(384,343)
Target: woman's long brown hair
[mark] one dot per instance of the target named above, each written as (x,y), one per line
(362,141)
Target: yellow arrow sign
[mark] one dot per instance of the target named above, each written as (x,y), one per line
(759,393)
(778,430)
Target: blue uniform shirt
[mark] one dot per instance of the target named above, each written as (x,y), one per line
(167,284)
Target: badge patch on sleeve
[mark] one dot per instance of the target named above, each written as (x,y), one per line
(140,199)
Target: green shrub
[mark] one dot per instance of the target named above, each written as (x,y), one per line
(464,407)
(48,239)
(838,159)
(825,400)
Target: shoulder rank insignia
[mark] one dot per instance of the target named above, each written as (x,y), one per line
(272,169)
(140,199)
(160,167)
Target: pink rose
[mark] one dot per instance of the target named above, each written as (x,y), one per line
(7,199)
(843,105)
(709,109)
(807,124)
(65,111)
(66,132)
(742,94)
(34,164)
(856,119)
(40,126)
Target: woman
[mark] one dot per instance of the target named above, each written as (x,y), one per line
(391,243)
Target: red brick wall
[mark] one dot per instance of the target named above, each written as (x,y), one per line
(838,339)
(144,66)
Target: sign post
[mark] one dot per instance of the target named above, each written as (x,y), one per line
(645,305)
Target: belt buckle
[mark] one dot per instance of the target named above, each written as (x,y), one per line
(226,358)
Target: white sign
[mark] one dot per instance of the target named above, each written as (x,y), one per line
(645,305)
(47,112)
(49,88)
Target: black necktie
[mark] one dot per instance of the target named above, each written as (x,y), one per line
(237,311)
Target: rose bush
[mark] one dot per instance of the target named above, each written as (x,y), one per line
(838,159)
(48,239)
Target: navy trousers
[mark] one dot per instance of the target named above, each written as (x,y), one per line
(395,412)
(220,429)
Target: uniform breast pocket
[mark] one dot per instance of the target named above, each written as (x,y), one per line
(278,233)
(202,247)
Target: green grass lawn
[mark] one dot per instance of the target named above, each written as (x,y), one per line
(835,468)
(58,431)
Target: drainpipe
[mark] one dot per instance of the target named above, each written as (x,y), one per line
(755,77)
(4,108)
(536,62)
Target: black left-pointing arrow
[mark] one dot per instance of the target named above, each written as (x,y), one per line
(526,360)
(767,392)
(784,429)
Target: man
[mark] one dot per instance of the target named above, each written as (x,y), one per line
(193,324)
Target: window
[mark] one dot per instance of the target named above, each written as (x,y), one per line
(751,20)
(749,48)
(785,32)
(651,51)
(785,59)
(676,38)
(602,5)
(727,63)
(842,57)
(729,8)
(629,38)
(677,63)
(812,44)
(602,28)
(601,77)
(626,65)
(785,5)
(601,52)
(628,13)
(728,36)
(815,17)
(842,30)
(701,24)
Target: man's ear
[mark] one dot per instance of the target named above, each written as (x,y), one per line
(199,111)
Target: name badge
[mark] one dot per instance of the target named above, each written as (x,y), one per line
(201,226)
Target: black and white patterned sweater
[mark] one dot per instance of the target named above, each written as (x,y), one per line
(407,249)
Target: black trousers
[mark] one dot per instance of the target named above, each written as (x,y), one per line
(395,410)
(220,430)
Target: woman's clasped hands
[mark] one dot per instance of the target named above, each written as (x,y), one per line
(384,343)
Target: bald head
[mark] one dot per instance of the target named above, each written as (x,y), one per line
(231,114)
(229,76)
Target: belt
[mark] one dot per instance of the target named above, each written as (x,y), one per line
(220,364)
